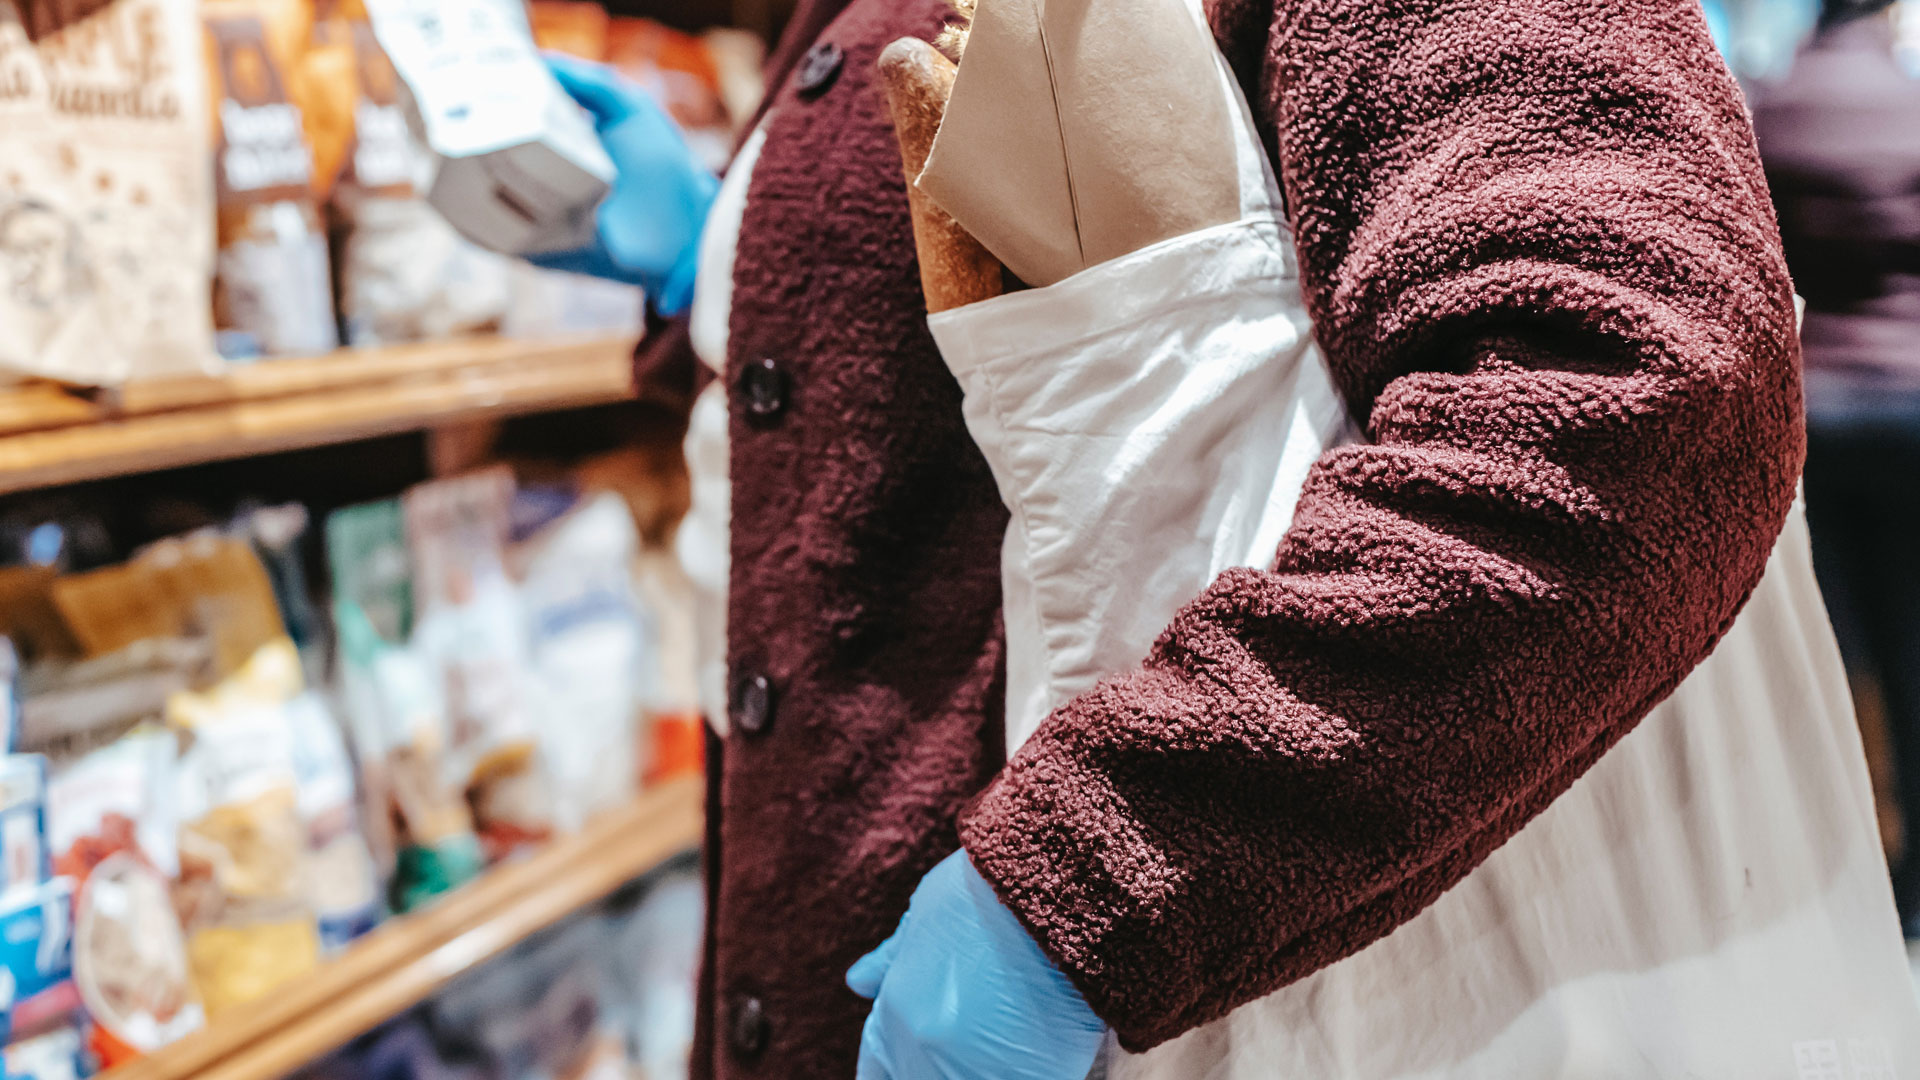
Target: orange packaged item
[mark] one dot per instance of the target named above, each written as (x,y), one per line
(272,291)
(680,72)
(575,27)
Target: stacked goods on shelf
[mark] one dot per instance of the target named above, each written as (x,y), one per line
(272,295)
(189,821)
(173,166)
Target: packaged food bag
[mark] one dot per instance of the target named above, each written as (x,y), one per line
(418,821)
(470,632)
(243,888)
(273,295)
(521,170)
(110,823)
(592,647)
(404,273)
(341,887)
(106,200)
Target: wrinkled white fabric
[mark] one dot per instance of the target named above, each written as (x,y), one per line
(1708,901)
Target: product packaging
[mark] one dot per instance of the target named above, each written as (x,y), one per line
(243,891)
(106,205)
(417,820)
(60,1054)
(470,632)
(521,170)
(340,886)
(273,294)
(36,955)
(24,859)
(592,647)
(130,961)
(404,273)
(553,303)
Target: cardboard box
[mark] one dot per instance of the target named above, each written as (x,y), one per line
(520,167)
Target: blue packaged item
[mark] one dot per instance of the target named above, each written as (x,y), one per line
(24,858)
(36,949)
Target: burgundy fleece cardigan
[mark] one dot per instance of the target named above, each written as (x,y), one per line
(1541,261)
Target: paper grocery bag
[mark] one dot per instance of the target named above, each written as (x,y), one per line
(1081,130)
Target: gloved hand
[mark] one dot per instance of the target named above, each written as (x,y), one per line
(962,992)
(649,224)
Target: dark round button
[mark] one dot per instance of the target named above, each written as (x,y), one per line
(748,1030)
(818,69)
(752,710)
(764,383)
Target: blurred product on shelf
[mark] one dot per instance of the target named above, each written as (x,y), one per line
(680,71)
(605,995)
(106,202)
(468,628)
(404,273)
(185,823)
(424,831)
(272,293)
(590,649)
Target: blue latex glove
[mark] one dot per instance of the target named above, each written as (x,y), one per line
(649,224)
(961,992)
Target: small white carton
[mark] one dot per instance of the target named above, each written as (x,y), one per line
(520,167)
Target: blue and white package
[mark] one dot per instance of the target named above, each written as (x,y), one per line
(24,858)
(36,941)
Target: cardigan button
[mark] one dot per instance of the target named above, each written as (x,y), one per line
(752,707)
(748,1030)
(818,68)
(764,385)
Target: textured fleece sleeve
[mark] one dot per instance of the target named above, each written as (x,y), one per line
(1541,262)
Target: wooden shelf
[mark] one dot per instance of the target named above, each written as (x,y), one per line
(406,960)
(51,436)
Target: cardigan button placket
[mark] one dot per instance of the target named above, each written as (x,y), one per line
(818,69)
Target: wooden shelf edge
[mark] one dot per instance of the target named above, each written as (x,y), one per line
(407,959)
(318,402)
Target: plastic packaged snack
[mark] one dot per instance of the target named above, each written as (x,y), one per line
(106,212)
(273,294)
(417,819)
(592,647)
(130,961)
(340,884)
(243,890)
(36,955)
(119,797)
(470,632)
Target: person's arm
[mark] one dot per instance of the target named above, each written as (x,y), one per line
(1540,259)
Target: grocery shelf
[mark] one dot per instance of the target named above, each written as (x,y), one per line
(51,436)
(407,959)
